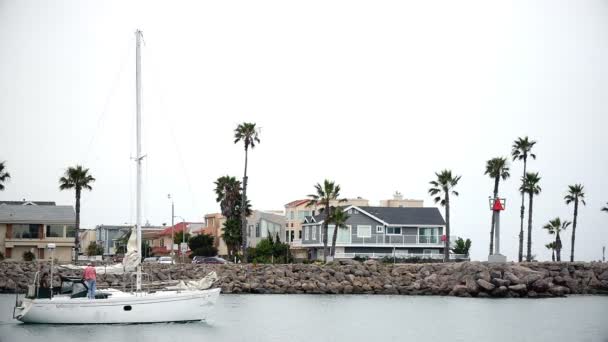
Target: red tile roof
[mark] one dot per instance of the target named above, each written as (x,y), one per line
(296,203)
(178,228)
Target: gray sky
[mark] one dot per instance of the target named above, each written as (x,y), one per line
(374,95)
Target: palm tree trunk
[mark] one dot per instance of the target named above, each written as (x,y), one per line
(574,229)
(553,254)
(244,212)
(521,213)
(496,180)
(558,247)
(77,237)
(325,224)
(333,242)
(529,255)
(446,250)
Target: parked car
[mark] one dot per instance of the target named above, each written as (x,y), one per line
(165,260)
(150,260)
(208,260)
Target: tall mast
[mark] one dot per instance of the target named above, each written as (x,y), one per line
(138,157)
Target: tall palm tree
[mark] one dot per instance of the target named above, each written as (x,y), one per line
(531,187)
(338,218)
(77,178)
(325,194)
(522,149)
(556,226)
(442,187)
(248,134)
(496,168)
(551,246)
(576,194)
(4,176)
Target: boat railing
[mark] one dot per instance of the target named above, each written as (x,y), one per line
(133,281)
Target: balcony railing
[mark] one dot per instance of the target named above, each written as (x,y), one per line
(390,240)
(435,256)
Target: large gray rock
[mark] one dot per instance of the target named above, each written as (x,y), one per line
(512,278)
(501,282)
(500,291)
(518,288)
(486,285)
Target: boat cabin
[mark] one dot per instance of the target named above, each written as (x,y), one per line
(73,287)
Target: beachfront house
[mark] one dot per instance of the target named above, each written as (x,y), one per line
(29,226)
(376,232)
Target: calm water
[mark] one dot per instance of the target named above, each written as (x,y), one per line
(350,318)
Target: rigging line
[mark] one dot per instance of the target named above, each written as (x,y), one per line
(163,112)
(111,91)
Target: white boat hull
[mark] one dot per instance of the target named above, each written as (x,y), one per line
(120,307)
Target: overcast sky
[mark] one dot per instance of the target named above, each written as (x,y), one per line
(376,95)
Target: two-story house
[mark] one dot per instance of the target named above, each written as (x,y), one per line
(378,232)
(31,226)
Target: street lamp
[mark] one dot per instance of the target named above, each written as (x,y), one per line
(172,225)
(183,235)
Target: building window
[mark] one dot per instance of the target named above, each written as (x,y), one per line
(379,229)
(306,233)
(430,251)
(428,235)
(286,224)
(286,235)
(257,229)
(314,232)
(162,242)
(54,230)
(291,224)
(26,231)
(364,231)
(70,231)
(300,234)
(393,230)
(292,215)
(293,233)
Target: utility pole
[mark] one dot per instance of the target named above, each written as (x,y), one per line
(172,225)
(183,236)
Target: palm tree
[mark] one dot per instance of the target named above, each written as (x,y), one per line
(228,192)
(531,187)
(576,194)
(248,134)
(76,178)
(338,218)
(496,168)
(556,226)
(330,191)
(4,176)
(522,148)
(443,186)
(551,246)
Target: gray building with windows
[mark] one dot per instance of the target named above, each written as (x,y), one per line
(261,224)
(379,231)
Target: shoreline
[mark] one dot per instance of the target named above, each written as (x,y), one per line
(464,279)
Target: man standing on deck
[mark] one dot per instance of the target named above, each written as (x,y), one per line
(90,278)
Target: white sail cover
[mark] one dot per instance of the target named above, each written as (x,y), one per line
(129,263)
(132,256)
(205,283)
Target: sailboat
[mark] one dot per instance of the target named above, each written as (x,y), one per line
(68,304)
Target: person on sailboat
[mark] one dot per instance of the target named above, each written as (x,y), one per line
(90,278)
